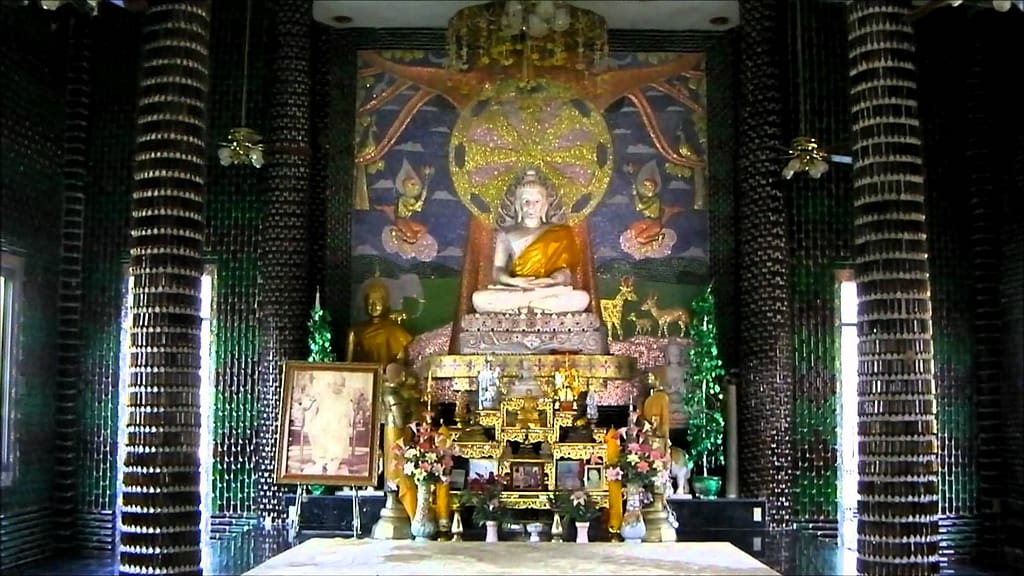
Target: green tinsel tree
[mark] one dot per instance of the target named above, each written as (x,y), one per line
(706,430)
(320,334)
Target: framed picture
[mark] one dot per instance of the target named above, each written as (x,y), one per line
(527,475)
(593,478)
(327,432)
(482,467)
(568,475)
(458,479)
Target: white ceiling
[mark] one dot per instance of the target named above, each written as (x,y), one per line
(625,14)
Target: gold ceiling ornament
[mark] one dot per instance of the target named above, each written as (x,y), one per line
(519,35)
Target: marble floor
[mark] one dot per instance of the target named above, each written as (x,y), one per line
(396,558)
(793,553)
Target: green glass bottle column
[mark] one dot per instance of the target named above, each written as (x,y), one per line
(284,268)
(160,513)
(765,266)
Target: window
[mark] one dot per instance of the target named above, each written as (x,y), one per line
(11,271)
(847,417)
(205,393)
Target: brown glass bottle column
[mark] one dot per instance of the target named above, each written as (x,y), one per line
(898,501)
(766,348)
(284,293)
(160,514)
(69,364)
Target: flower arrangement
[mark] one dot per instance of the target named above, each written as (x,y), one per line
(428,459)
(575,505)
(483,494)
(639,463)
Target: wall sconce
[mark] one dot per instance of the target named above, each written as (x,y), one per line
(243,147)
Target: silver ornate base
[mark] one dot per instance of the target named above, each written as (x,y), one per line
(532,333)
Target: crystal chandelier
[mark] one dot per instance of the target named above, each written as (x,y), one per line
(527,34)
(805,156)
(243,145)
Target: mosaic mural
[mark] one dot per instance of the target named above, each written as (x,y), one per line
(626,151)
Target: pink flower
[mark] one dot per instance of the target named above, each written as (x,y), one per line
(633,447)
(425,466)
(655,455)
(614,474)
(642,466)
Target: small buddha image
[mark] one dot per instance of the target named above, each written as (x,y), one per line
(380,339)
(674,378)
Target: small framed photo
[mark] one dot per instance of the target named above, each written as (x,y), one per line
(458,479)
(482,467)
(593,478)
(527,475)
(328,424)
(569,475)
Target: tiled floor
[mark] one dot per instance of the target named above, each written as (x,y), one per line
(790,554)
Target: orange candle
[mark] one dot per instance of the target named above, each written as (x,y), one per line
(614,487)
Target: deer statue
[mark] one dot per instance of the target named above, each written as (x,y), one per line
(643,325)
(666,317)
(611,309)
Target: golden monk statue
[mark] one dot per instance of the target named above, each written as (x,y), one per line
(380,339)
(657,410)
(533,257)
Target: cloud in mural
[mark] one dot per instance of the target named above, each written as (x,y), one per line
(390,107)
(697,253)
(622,131)
(451,251)
(627,109)
(365,250)
(677,184)
(606,252)
(654,93)
(389,184)
(444,129)
(675,109)
(617,199)
(443,195)
(429,108)
(408,147)
(640,149)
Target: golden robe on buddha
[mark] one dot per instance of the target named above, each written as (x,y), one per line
(552,250)
(380,342)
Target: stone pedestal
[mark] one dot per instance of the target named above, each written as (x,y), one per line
(532,333)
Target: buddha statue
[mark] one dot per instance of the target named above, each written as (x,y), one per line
(380,339)
(533,256)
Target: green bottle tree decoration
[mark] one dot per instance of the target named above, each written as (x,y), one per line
(320,334)
(706,430)
(319,349)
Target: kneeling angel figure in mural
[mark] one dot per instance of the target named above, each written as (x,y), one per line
(406,237)
(648,237)
(533,257)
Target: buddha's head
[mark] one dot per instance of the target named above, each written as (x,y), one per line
(377,299)
(531,201)
(673,354)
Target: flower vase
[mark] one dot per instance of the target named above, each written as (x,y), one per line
(492,531)
(582,532)
(424,522)
(633,527)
